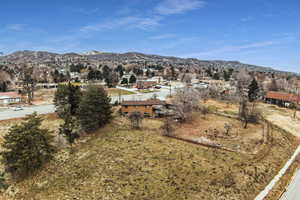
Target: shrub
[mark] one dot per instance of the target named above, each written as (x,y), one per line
(168,128)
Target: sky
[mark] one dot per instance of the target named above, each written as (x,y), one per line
(261,32)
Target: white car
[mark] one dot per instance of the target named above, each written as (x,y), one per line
(18,108)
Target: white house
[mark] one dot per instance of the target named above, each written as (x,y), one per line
(9,97)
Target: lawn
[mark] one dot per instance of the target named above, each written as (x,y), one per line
(116,92)
(119,163)
(147,91)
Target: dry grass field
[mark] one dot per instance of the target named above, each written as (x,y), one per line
(119,163)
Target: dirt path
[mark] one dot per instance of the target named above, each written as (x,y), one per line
(282,118)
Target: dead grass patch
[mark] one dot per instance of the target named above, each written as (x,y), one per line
(120,163)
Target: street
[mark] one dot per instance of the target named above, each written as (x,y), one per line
(44,109)
(11,114)
(293,190)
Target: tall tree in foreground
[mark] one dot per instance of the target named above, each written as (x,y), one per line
(66,100)
(253,90)
(94,109)
(26,147)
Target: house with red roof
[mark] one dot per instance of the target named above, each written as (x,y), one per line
(282,99)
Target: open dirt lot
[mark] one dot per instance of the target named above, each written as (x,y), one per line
(282,117)
(212,127)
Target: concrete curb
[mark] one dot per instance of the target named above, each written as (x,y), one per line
(269,187)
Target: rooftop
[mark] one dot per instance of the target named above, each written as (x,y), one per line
(7,95)
(283,96)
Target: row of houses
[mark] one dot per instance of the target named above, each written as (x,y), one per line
(157,108)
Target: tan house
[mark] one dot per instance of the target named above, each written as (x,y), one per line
(147,108)
(144,84)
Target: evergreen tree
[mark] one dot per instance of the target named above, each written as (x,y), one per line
(226,75)
(94,109)
(66,99)
(106,72)
(120,70)
(216,76)
(69,129)
(27,147)
(3,86)
(132,79)
(124,81)
(253,90)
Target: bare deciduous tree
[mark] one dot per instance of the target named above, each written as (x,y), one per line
(168,128)
(186,101)
(227,128)
(136,119)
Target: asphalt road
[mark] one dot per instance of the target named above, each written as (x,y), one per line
(11,114)
(45,109)
(293,190)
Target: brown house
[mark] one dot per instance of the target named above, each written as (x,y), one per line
(141,84)
(147,108)
(281,98)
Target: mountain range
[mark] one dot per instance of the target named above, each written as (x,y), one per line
(94,58)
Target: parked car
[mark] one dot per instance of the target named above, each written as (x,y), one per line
(157,87)
(18,108)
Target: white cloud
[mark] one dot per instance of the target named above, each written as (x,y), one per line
(232,48)
(168,7)
(88,11)
(163,36)
(247,19)
(15,27)
(125,22)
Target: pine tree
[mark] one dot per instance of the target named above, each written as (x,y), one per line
(253,90)
(124,81)
(94,109)
(69,129)
(27,147)
(66,99)
(132,79)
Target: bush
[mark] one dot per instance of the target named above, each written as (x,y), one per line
(27,147)
(3,184)
(168,128)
